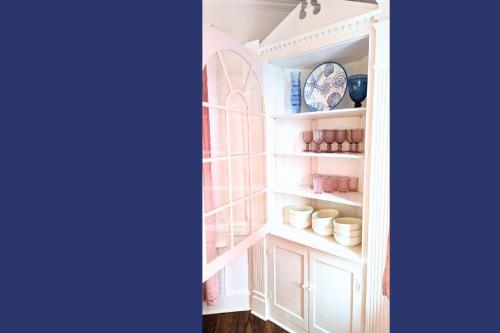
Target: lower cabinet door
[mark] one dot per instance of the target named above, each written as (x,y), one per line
(335,291)
(288,276)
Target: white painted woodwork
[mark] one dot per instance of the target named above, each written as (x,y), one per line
(218,45)
(258,279)
(377,305)
(331,11)
(335,291)
(309,283)
(349,198)
(311,291)
(335,113)
(320,155)
(309,238)
(288,276)
(338,32)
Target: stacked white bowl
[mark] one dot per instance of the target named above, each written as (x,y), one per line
(299,216)
(322,221)
(347,231)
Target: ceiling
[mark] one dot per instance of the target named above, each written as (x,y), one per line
(248,20)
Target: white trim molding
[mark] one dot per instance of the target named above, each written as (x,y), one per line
(280,5)
(377,305)
(347,29)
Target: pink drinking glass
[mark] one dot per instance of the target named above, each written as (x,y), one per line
(340,136)
(317,185)
(312,177)
(357,137)
(326,184)
(349,139)
(343,184)
(353,184)
(307,136)
(318,139)
(329,136)
(335,183)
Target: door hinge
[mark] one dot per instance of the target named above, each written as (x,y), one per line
(269,252)
(269,296)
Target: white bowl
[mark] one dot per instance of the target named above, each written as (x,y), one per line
(322,231)
(326,214)
(325,217)
(300,210)
(347,241)
(351,233)
(300,223)
(299,220)
(347,223)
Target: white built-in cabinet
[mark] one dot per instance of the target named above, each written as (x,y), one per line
(256,168)
(310,291)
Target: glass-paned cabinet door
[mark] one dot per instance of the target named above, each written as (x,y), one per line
(234,168)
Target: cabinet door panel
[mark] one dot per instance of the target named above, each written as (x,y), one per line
(335,294)
(288,279)
(234,167)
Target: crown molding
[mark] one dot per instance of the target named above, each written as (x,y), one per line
(345,29)
(280,5)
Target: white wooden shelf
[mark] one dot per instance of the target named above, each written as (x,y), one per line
(349,198)
(325,155)
(309,238)
(335,113)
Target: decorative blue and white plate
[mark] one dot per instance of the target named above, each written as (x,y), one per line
(325,86)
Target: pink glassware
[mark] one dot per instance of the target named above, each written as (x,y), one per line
(318,139)
(357,137)
(340,136)
(335,183)
(329,136)
(343,184)
(307,136)
(326,184)
(317,184)
(353,184)
(349,139)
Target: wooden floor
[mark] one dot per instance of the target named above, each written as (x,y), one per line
(238,322)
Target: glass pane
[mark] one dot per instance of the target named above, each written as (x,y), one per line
(214,132)
(254,95)
(241,221)
(238,132)
(237,102)
(240,176)
(259,211)
(258,172)
(216,83)
(215,185)
(257,134)
(236,67)
(217,234)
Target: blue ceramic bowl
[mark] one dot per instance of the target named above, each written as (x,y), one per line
(357,85)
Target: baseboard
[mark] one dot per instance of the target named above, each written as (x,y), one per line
(229,303)
(258,305)
(286,328)
(258,315)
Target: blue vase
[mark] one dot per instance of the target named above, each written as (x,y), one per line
(357,85)
(295,94)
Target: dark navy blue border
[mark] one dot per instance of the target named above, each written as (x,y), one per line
(100,137)
(444,167)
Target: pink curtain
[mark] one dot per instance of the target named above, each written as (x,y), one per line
(211,286)
(386,282)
